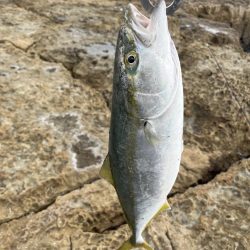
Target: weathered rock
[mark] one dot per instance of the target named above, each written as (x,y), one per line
(195,168)
(85,53)
(205,217)
(50,127)
(212,216)
(56,63)
(20,27)
(235,13)
(82,37)
(87,50)
(217,97)
(79,217)
(216,89)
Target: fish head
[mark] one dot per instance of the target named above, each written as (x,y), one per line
(145,71)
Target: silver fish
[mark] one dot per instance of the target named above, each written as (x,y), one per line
(145,141)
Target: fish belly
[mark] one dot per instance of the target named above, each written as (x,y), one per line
(143,173)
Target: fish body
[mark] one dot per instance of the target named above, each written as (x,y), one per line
(145,141)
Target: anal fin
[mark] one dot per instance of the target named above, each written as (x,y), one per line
(164,207)
(105,171)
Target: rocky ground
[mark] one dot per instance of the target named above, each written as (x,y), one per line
(56,61)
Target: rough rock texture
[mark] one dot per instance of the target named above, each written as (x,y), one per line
(205,217)
(56,60)
(211,216)
(50,125)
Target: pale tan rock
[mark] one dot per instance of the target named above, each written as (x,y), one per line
(213,216)
(56,62)
(82,215)
(216,107)
(213,114)
(19,26)
(204,217)
(235,13)
(51,125)
(216,90)
(195,167)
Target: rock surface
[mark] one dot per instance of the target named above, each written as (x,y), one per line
(56,60)
(47,132)
(205,217)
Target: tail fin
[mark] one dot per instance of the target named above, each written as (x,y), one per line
(127,245)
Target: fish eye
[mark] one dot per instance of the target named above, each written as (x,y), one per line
(131,59)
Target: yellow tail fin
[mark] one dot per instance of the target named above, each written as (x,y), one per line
(127,245)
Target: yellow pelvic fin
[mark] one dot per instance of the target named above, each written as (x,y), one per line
(105,171)
(127,245)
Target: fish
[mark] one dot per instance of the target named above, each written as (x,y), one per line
(146,127)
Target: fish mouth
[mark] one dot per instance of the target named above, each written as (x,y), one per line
(140,25)
(140,20)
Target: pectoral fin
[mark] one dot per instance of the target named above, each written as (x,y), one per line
(150,133)
(105,171)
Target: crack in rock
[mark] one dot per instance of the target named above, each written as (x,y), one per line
(18,47)
(32,11)
(170,241)
(70,243)
(213,174)
(49,204)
